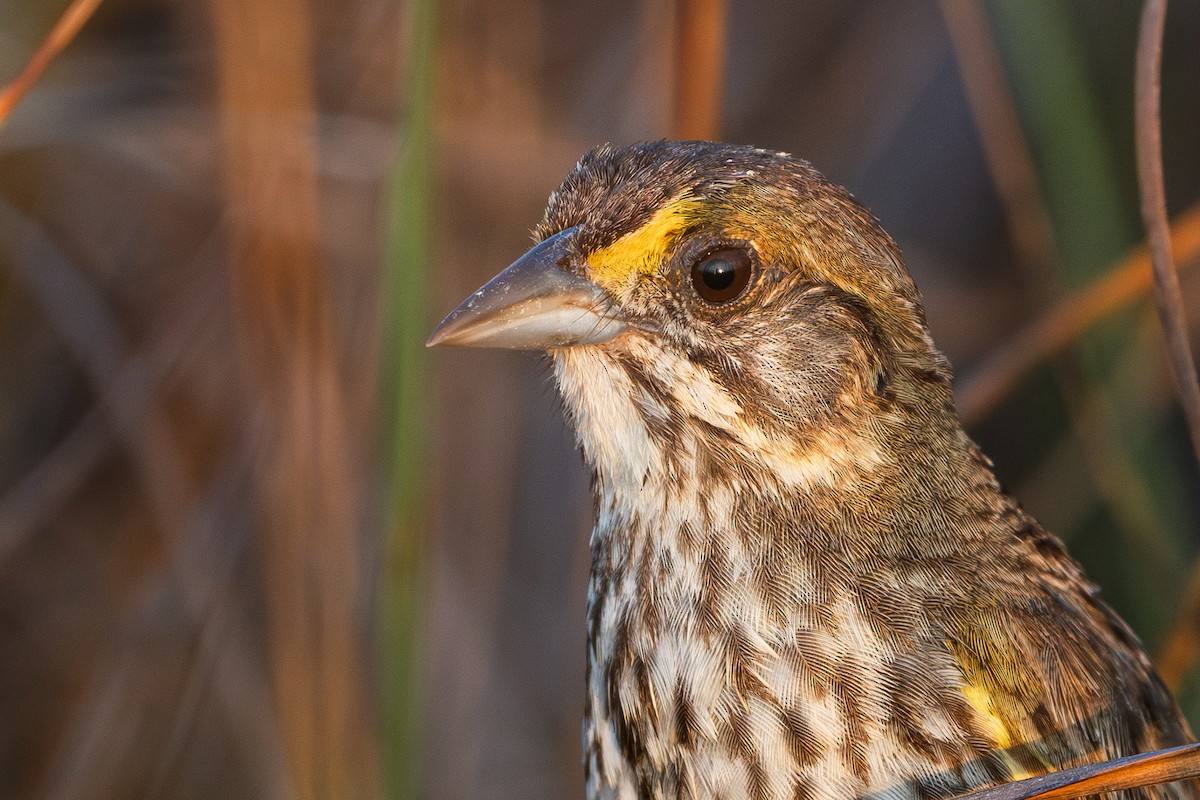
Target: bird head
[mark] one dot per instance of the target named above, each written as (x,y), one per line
(679,285)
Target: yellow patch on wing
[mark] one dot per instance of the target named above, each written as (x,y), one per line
(999,730)
(640,252)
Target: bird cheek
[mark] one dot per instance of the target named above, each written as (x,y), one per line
(803,374)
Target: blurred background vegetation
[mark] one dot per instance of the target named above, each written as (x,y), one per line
(256,542)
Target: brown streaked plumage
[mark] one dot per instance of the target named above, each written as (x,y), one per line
(806,581)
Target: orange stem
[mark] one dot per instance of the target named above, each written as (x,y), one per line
(699,68)
(60,36)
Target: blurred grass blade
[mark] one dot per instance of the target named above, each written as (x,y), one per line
(1182,643)
(1132,772)
(1073,148)
(404,375)
(60,36)
(1005,148)
(307,484)
(699,68)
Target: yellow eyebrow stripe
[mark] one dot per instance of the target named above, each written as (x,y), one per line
(640,252)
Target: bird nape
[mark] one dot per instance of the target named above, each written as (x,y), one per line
(806,582)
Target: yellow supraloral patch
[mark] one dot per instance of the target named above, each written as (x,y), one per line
(640,252)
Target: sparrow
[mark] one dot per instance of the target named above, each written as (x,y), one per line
(806,580)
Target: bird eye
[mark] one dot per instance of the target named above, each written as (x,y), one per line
(722,275)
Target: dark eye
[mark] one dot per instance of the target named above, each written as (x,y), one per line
(722,275)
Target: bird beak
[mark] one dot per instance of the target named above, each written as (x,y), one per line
(535,304)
